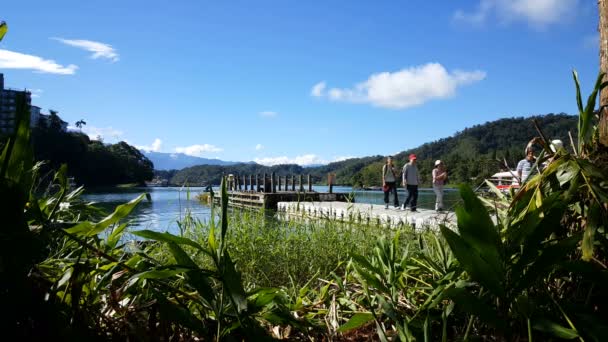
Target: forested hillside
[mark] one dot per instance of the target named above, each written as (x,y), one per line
(90,162)
(471,155)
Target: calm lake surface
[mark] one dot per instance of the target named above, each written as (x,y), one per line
(169,204)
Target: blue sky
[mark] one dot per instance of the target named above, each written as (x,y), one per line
(296,81)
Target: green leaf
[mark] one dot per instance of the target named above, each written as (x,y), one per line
(593,223)
(550,257)
(358,320)
(178,314)
(555,329)
(233,284)
(479,270)
(88,229)
(196,278)
(117,232)
(579,100)
(160,273)
(473,305)
(168,238)
(3,29)
(477,229)
(371,280)
(224,222)
(362,261)
(566,172)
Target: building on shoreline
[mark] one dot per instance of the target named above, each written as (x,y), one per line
(8,107)
(8,111)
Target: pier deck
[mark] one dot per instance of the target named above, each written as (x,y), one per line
(368,213)
(255,200)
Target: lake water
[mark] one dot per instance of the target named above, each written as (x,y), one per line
(169,204)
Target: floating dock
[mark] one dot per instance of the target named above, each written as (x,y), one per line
(257,200)
(362,213)
(266,191)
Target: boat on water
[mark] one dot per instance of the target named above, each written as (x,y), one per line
(505,180)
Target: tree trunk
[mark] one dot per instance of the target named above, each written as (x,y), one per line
(603,28)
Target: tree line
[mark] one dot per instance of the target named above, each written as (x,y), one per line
(471,156)
(90,162)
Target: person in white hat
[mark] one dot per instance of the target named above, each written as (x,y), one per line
(440,174)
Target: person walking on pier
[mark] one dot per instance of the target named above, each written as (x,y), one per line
(439,176)
(411,179)
(389,182)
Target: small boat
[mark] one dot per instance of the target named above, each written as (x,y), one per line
(505,180)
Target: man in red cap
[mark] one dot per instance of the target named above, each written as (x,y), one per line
(411,179)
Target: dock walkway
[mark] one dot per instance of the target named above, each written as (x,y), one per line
(368,213)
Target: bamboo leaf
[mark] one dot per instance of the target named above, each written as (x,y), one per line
(86,228)
(477,229)
(579,100)
(593,223)
(160,273)
(167,238)
(549,258)
(117,232)
(233,284)
(178,314)
(358,320)
(473,305)
(479,270)
(196,278)
(224,222)
(555,329)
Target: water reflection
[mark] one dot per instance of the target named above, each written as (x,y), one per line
(170,204)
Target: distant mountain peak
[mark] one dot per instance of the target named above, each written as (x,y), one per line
(178,161)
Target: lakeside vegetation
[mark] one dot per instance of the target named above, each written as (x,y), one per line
(90,162)
(535,274)
(471,156)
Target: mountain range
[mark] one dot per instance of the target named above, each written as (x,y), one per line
(178,161)
(470,156)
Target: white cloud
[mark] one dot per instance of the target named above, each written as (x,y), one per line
(17,60)
(317,89)
(99,50)
(307,159)
(407,87)
(155,147)
(536,12)
(268,114)
(341,158)
(198,150)
(35,93)
(303,160)
(108,134)
(259,147)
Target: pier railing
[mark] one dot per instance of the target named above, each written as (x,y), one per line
(272,183)
(266,190)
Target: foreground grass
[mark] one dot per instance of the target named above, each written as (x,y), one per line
(270,252)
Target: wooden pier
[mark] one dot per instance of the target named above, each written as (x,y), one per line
(362,213)
(267,190)
(291,198)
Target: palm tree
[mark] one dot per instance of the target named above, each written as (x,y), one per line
(80,123)
(54,122)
